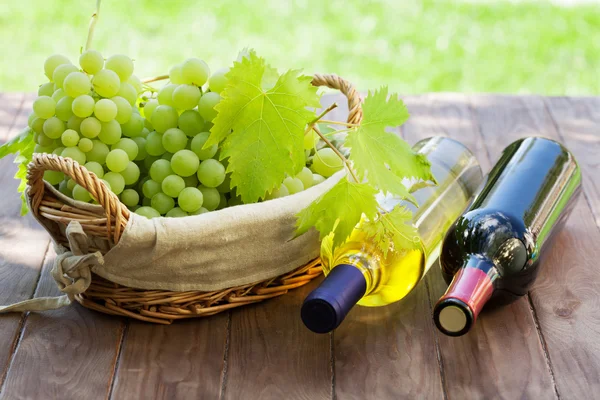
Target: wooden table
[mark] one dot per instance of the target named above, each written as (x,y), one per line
(544,346)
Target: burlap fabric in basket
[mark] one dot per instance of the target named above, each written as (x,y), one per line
(163,269)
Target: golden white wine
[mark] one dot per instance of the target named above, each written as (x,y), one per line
(359,272)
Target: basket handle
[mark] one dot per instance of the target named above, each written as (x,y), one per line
(113,208)
(347,89)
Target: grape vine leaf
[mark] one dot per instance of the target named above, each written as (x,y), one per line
(23,145)
(393,230)
(261,121)
(381,157)
(339,210)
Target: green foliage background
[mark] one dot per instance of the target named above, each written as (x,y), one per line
(412,46)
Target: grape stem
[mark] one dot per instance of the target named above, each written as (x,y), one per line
(155,78)
(326,121)
(336,151)
(92,26)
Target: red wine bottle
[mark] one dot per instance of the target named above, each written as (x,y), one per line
(491,254)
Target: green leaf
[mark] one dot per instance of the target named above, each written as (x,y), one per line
(261,121)
(381,157)
(22,145)
(339,210)
(393,230)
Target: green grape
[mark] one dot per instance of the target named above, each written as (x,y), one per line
(165,94)
(310,140)
(185,163)
(83,106)
(98,152)
(194,71)
(42,149)
(129,197)
(81,194)
(76,84)
(63,108)
(164,117)
(211,173)
(136,83)
(148,125)
(306,177)
(174,140)
(85,145)
(167,156)
(117,160)
(53,177)
(131,173)
(62,187)
(211,196)
(317,179)
(95,167)
(199,211)
(190,199)
(147,212)
(191,122)
(160,169)
(52,62)
(225,187)
(38,125)
(175,74)
(47,89)
(197,144)
(134,126)
(154,145)
(218,81)
(149,108)
(106,83)
(141,146)
(44,107)
(294,185)
(176,213)
(144,132)
(124,109)
(58,150)
(206,105)
(91,61)
(116,181)
(186,97)
(172,185)
(128,92)
(71,184)
(282,191)
(58,94)
(70,138)
(148,161)
(90,127)
(54,127)
(129,146)
(74,123)
(150,188)
(61,72)
(105,110)
(162,203)
(146,202)
(75,154)
(326,162)
(191,181)
(44,140)
(121,64)
(110,132)
(32,117)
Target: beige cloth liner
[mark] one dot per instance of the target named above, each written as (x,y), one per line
(212,251)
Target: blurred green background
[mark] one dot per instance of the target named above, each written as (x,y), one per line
(540,47)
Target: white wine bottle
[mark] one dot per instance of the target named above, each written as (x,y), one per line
(359,272)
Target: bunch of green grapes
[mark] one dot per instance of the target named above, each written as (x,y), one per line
(148,151)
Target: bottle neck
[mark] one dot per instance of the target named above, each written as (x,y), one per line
(472,286)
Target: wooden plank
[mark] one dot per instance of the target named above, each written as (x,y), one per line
(68,353)
(22,241)
(482,363)
(576,121)
(388,352)
(180,361)
(273,356)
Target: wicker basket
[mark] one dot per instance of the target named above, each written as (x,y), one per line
(158,306)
